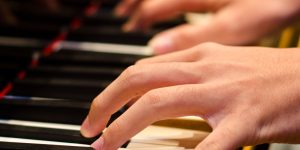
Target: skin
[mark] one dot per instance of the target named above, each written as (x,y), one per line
(241,22)
(249,95)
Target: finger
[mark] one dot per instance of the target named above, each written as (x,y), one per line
(126,7)
(189,55)
(155,105)
(187,36)
(228,27)
(133,82)
(152,11)
(228,135)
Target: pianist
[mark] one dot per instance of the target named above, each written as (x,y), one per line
(235,22)
(249,95)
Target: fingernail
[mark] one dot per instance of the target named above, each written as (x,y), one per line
(98,144)
(85,128)
(162,44)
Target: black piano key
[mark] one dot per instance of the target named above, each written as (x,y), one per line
(105,17)
(61,7)
(47,32)
(74,3)
(25,49)
(7,73)
(111,4)
(96,59)
(41,133)
(108,34)
(32,146)
(36,18)
(58,111)
(262,146)
(59,88)
(13,59)
(18,60)
(74,72)
(39,109)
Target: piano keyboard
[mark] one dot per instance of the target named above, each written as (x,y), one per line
(53,62)
(41,135)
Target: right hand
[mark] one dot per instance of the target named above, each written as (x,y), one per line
(236,22)
(248,95)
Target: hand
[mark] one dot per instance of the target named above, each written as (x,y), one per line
(249,95)
(235,22)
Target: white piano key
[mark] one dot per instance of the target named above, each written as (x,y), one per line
(31,98)
(162,133)
(108,48)
(30,141)
(82,46)
(41,124)
(133,145)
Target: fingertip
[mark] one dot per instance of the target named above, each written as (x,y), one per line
(84,127)
(162,44)
(91,127)
(98,144)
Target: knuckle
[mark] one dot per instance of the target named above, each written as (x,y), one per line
(153,99)
(206,49)
(133,75)
(95,104)
(131,70)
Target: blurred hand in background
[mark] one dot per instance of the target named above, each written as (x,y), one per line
(235,22)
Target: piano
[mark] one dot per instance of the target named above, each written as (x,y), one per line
(54,62)
(54,59)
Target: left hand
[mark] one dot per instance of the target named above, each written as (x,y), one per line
(235,22)
(249,95)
